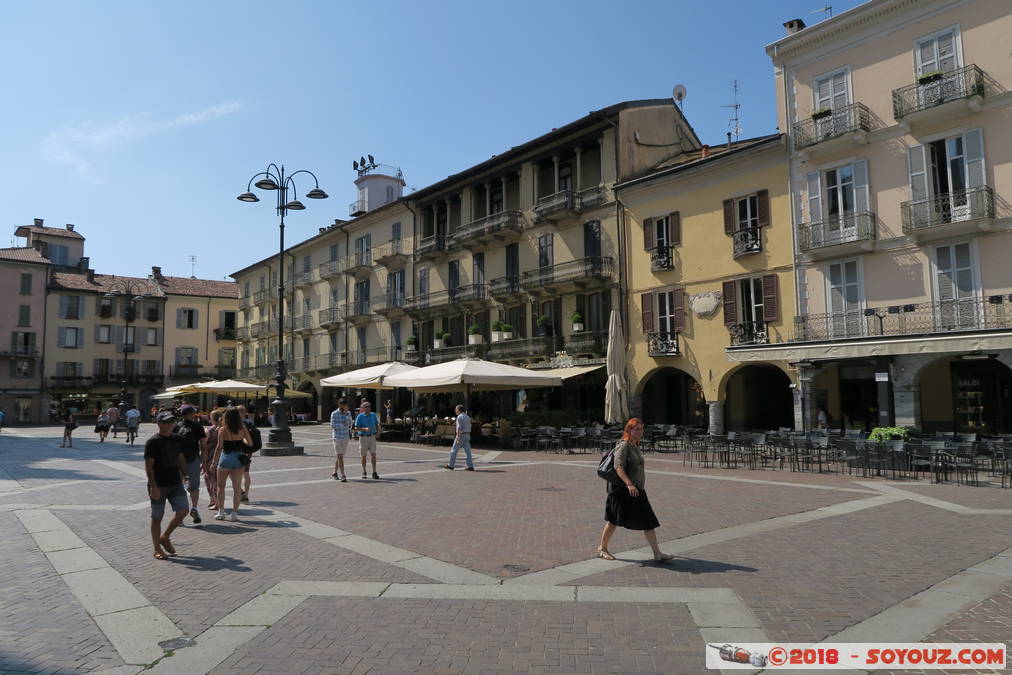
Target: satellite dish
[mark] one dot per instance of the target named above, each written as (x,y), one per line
(354,165)
(678,93)
(371,160)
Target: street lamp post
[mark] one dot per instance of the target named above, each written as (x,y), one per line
(126,288)
(279,439)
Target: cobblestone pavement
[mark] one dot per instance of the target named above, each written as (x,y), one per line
(771,554)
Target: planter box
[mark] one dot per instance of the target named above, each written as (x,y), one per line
(474,339)
(577,327)
(410,348)
(507,335)
(438,344)
(496,335)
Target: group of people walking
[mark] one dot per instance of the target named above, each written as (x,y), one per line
(183,452)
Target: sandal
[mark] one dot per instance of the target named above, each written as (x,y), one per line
(169,548)
(601,553)
(664,557)
(160,556)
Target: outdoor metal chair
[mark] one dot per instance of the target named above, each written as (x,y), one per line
(965,459)
(845,453)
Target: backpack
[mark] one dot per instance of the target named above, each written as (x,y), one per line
(254,435)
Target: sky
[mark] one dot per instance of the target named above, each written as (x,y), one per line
(140,122)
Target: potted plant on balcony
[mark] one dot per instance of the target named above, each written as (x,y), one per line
(930,76)
(474,335)
(412,343)
(577,320)
(497,331)
(507,331)
(821,113)
(544,324)
(441,340)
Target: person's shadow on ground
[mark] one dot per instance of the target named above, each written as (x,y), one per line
(214,564)
(699,566)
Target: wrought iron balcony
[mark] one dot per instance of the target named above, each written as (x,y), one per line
(245,302)
(329,317)
(577,272)
(506,286)
(588,342)
(431,246)
(224,334)
(558,206)
(188,371)
(410,356)
(991,313)
(946,212)
(357,208)
(428,301)
(264,328)
(394,252)
(749,333)
(357,310)
(662,258)
(531,349)
(836,123)
(935,90)
(302,323)
(70,382)
(500,227)
(242,333)
(358,263)
(363,357)
(472,294)
(24,350)
(443,354)
(747,241)
(388,304)
(330,269)
(835,233)
(225,372)
(662,344)
(593,197)
(263,295)
(106,377)
(305,278)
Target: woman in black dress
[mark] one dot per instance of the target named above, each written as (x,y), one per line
(69,424)
(627,505)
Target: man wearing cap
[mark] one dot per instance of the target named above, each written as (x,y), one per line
(192,435)
(164,464)
(368,427)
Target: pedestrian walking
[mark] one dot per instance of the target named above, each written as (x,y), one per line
(627,504)
(3,418)
(461,439)
(340,425)
(209,468)
(164,464)
(112,412)
(254,434)
(233,438)
(367,425)
(191,432)
(69,424)
(133,423)
(388,411)
(102,426)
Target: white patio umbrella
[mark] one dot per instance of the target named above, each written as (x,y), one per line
(227,386)
(373,377)
(616,411)
(469,375)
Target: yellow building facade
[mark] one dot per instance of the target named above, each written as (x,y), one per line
(710,270)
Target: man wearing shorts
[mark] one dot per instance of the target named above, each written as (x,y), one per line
(194,452)
(368,427)
(112,413)
(340,425)
(133,422)
(163,463)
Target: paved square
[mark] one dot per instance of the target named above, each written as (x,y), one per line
(492,571)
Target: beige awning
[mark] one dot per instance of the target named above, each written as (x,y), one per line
(571,371)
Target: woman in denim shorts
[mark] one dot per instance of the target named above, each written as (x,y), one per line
(233,437)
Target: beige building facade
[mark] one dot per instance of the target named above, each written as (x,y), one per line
(897,112)
(23,274)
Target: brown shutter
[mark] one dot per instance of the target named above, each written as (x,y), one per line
(763,207)
(730,304)
(675,228)
(771,299)
(678,307)
(648,233)
(648,312)
(728,216)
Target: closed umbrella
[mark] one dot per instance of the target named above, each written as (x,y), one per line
(372,377)
(616,410)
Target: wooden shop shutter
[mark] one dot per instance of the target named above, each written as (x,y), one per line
(675,228)
(678,309)
(648,312)
(730,304)
(729,216)
(648,233)
(763,207)
(771,301)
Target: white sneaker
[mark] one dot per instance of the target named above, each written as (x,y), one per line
(220,515)
(233,518)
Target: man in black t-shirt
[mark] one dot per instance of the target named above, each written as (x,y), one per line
(194,451)
(164,463)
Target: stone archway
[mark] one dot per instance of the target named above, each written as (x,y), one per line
(672,396)
(758,396)
(961,393)
(306,406)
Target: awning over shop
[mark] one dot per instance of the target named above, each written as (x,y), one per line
(571,371)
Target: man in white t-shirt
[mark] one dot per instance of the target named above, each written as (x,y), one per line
(462,439)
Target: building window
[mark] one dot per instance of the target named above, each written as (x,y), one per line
(186,356)
(844,299)
(750,301)
(151,336)
(186,318)
(58,254)
(228,320)
(24,367)
(545,253)
(24,315)
(423,281)
(69,337)
(956,286)
(307,263)
(937,52)
(497,201)
(831,91)
(395,232)
(26,283)
(103,334)
(333,252)
(245,289)
(592,239)
(390,194)
(70,307)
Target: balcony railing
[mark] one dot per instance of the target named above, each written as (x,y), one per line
(504,286)
(358,262)
(225,372)
(184,371)
(303,322)
(222,334)
(24,350)
(68,382)
(592,197)
(433,243)
(662,344)
(662,258)
(264,328)
(394,251)
(749,333)
(522,348)
(357,208)
(837,122)
(470,293)
(129,378)
(245,302)
(362,357)
(443,354)
(747,241)
(944,209)
(962,83)
(427,301)
(489,226)
(263,295)
(558,205)
(330,269)
(588,342)
(357,309)
(329,316)
(573,270)
(305,278)
(972,314)
(242,333)
(845,229)
(388,302)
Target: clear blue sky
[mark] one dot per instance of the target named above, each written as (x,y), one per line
(140,122)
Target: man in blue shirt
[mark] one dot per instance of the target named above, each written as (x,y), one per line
(462,439)
(368,427)
(340,424)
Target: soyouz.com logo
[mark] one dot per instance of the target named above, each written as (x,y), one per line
(846,656)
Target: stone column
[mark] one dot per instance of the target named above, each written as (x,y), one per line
(503,181)
(716,415)
(537,175)
(449,203)
(804,399)
(906,392)
(600,146)
(555,161)
(577,185)
(488,199)
(435,217)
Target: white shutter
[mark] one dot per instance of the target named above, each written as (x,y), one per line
(918,173)
(861,186)
(947,52)
(944,274)
(973,149)
(814,197)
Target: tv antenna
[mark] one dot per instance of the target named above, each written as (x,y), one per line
(734,123)
(827,11)
(678,93)
(193,266)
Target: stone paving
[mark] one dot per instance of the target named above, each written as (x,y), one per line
(777,555)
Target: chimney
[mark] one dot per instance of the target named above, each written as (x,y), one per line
(794,26)
(156,272)
(705,151)
(729,140)
(91,276)
(70,227)
(38,222)
(83,263)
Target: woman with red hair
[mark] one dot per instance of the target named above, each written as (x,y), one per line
(627,505)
